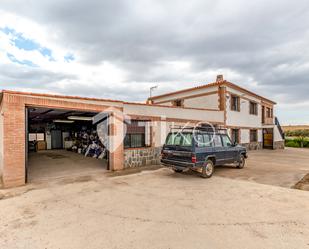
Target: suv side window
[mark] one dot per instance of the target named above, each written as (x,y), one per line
(217,141)
(226,141)
(186,139)
(203,140)
(207,140)
(199,140)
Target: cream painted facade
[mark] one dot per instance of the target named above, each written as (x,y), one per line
(157,111)
(245,136)
(166,100)
(242,118)
(209,102)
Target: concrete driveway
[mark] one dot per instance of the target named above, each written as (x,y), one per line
(163,209)
(61,163)
(155,209)
(274,167)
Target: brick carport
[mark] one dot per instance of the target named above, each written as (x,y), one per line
(13,129)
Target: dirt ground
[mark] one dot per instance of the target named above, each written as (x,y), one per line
(160,209)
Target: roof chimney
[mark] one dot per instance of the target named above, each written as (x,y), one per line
(219,78)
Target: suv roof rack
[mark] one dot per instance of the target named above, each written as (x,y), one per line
(202,128)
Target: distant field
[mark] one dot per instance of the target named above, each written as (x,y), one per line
(295,127)
(295,141)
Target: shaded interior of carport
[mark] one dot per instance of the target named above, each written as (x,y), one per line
(63,142)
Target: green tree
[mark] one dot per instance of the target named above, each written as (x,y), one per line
(301,136)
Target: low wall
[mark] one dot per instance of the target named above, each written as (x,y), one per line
(279,145)
(253,146)
(142,157)
(258,146)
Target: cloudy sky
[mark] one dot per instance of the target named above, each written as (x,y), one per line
(118,49)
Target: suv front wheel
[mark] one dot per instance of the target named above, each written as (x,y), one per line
(242,161)
(208,169)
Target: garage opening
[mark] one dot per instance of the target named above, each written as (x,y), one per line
(65,143)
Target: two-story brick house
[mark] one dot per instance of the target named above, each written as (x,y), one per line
(249,117)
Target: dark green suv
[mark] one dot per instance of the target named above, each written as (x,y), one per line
(201,150)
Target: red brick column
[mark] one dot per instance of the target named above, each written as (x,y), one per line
(13,142)
(222,101)
(116,143)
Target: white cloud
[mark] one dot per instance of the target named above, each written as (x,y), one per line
(100,75)
(121,49)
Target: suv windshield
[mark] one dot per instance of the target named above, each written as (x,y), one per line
(181,139)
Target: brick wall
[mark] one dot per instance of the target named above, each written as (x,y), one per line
(13,141)
(1,143)
(279,145)
(116,155)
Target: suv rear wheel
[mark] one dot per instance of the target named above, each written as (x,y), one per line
(242,162)
(208,169)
